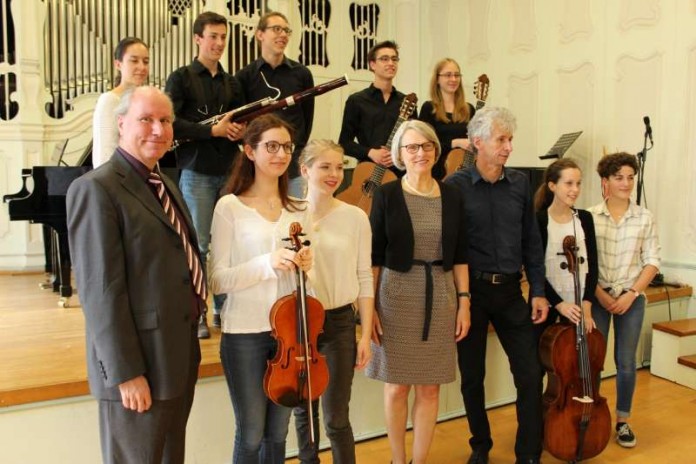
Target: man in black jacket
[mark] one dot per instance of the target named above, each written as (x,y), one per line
(200,91)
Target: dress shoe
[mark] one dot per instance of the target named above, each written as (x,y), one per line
(203,331)
(217,322)
(478,457)
(527,461)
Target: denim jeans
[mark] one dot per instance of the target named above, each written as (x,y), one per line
(201,192)
(627,328)
(338,344)
(297,187)
(261,425)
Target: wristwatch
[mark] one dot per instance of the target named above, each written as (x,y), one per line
(635,292)
(463,294)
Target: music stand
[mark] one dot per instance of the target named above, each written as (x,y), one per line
(561,146)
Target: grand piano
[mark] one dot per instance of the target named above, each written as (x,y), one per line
(45,204)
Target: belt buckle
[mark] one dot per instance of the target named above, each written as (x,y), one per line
(497,279)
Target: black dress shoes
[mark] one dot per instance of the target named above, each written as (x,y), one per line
(527,461)
(478,457)
(203,331)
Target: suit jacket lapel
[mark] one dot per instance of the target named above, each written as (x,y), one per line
(134,184)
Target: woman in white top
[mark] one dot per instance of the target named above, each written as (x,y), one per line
(557,217)
(250,263)
(341,274)
(132,62)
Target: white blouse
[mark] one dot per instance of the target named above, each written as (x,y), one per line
(104,128)
(240,263)
(342,269)
(559,277)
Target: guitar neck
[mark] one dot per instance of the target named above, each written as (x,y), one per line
(378,172)
(480,104)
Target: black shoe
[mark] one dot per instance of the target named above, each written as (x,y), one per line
(624,435)
(203,331)
(527,461)
(217,322)
(478,457)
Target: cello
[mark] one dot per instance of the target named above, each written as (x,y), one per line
(577,422)
(298,373)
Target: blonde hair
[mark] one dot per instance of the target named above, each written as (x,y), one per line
(461,109)
(314,148)
(424,129)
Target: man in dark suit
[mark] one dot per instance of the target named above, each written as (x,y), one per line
(135,255)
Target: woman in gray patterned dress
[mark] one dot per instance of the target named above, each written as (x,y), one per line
(419,262)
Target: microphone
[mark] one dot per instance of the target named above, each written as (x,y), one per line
(648,129)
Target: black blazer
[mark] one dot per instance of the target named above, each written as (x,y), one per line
(591,244)
(392,230)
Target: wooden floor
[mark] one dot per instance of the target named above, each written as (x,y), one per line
(32,325)
(664,421)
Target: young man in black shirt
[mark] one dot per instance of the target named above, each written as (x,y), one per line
(200,91)
(275,75)
(370,115)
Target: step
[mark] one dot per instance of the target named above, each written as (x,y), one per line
(670,340)
(679,328)
(688,361)
(686,371)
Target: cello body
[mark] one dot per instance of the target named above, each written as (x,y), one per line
(564,414)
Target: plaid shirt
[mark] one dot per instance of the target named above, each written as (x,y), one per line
(624,248)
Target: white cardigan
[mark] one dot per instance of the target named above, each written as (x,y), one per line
(104,128)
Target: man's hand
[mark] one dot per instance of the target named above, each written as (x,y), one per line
(380,156)
(226,128)
(540,309)
(135,394)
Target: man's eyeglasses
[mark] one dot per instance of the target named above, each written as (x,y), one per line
(273,146)
(279,29)
(450,75)
(414,147)
(386,59)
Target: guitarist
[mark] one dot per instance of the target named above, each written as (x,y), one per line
(447,111)
(370,114)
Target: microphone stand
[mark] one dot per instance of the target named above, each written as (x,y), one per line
(642,156)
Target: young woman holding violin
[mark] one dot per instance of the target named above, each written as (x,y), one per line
(341,275)
(251,264)
(629,257)
(447,111)
(557,217)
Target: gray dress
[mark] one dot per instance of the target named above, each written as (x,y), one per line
(403,357)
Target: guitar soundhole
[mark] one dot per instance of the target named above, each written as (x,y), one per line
(368,187)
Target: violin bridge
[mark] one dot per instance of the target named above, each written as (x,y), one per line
(300,358)
(584,399)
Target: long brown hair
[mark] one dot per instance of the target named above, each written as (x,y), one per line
(461,109)
(244,170)
(544,196)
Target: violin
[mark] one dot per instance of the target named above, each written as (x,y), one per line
(577,422)
(298,373)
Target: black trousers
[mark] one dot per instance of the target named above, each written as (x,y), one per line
(156,436)
(503,306)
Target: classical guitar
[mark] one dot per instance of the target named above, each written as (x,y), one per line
(367,176)
(459,158)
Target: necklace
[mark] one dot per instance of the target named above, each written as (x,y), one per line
(418,192)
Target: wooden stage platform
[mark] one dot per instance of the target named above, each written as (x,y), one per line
(42,346)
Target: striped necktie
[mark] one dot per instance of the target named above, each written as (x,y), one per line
(191,256)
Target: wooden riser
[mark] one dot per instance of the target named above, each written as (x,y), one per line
(666,350)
